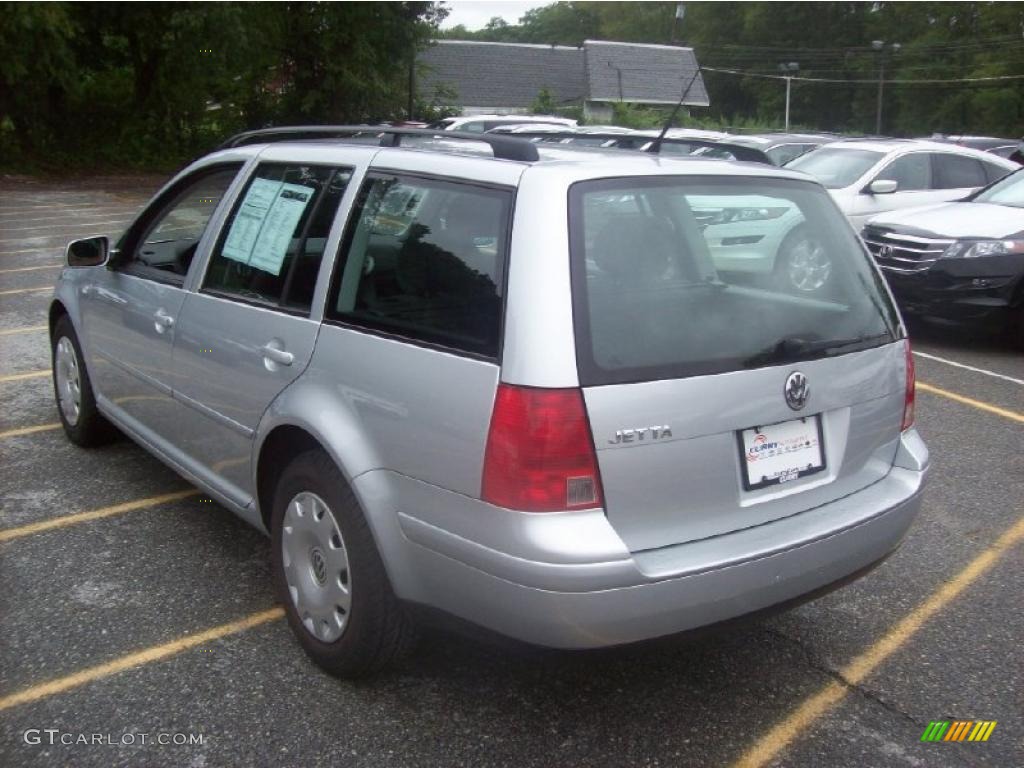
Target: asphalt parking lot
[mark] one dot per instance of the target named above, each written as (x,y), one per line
(131,606)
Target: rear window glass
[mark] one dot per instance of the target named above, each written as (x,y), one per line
(684,276)
(425,260)
(911,172)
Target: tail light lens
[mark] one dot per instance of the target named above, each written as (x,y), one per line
(540,456)
(908,403)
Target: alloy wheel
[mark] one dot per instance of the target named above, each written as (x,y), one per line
(808,265)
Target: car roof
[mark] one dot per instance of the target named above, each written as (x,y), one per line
(513,118)
(775,139)
(595,162)
(899,145)
(458,158)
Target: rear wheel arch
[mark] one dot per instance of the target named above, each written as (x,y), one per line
(280,445)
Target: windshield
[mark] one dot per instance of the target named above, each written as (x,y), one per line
(685,276)
(1008,191)
(836,167)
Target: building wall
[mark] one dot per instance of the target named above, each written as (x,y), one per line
(598,112)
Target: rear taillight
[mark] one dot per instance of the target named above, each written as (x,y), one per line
(908,402)
(540,455)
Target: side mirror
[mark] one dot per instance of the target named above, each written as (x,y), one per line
(883,187)
(88,252)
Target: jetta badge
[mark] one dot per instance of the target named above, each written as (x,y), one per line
(796,390)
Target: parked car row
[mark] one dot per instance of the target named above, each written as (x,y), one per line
(872,181)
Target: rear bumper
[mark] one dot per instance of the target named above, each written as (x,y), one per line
(660,592)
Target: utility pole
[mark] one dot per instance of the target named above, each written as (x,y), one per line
(879,45)
(412,87)
(677,20)
(785,68)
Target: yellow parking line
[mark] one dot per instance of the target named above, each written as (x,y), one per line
(28,430)
(31,269)
(1004,412)
(23,376)
(94,514)
(145,656)
(768,747)
(26,329)
(13,291)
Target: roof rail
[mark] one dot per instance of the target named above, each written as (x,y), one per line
(637,141)
(503,147)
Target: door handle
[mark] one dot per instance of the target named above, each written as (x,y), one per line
(276,355)
(162,321)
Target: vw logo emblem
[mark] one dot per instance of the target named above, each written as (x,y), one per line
(885,251)
(796,390)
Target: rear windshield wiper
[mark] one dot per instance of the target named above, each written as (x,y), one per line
(795,348)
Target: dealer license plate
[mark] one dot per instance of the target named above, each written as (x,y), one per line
(781,453)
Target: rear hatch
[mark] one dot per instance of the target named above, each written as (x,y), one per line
(719,400)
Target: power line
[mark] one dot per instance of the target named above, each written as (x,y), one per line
(917,81)
(922,47)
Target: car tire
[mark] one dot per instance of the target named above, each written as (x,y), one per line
(83,423)
(802,264)
(329,575)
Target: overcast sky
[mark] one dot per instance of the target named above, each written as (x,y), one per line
(474,14)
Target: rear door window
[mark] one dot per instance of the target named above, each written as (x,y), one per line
(958,172)
(271,247)
(425,260)
(684,276)
(911,172)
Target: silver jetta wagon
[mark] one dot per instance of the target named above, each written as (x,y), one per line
(501,380)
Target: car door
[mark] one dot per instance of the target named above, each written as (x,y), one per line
(129,310)
(912,173)
(248,330)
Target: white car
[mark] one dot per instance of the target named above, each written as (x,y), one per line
(482,123)
(761,235)
(870,177)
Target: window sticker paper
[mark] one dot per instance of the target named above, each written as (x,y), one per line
(249,219)
(276,234)
(263,227)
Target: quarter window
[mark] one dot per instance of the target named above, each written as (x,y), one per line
(272,244)
(425,260)
(956,172)
(994,172)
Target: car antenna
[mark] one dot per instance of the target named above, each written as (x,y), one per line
(655,147)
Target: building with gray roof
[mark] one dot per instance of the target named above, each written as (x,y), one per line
(506,78)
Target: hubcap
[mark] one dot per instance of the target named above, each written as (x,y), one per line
(316,567)
(69,383)
(808,265)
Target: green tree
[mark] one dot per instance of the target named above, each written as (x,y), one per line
(156,83)
(544,104)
